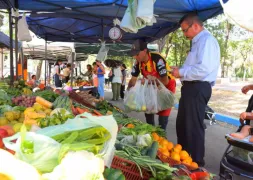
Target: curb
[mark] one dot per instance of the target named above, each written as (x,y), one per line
(223,118)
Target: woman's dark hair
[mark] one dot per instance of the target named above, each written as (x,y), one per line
(68,65)
(33,76)
(57,62)
(124,66)
(94,63)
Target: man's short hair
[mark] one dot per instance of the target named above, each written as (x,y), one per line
(33,76)
(191,18)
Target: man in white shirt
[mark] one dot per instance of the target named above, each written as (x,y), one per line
(197,75)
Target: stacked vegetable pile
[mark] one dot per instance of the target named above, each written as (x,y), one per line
(58,143)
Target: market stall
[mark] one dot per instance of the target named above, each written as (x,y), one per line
(78,126)
(51,131)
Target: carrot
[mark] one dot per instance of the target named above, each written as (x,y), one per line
(81,110)
(74,111)
(95,112)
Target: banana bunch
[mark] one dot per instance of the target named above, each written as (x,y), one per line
(26,91)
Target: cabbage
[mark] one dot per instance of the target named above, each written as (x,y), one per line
(4,98)
(19,108)
(62,111)
(4,108)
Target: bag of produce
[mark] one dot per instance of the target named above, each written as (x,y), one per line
(165,98)
(135,97)
(151,98)
(85,121)
(38,150)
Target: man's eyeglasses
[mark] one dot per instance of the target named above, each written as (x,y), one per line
(185,30)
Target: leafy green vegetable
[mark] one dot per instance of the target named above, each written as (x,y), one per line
(5,108)
(47,94)
(4,98)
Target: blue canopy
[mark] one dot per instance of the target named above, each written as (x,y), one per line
(5,41)
(90,20)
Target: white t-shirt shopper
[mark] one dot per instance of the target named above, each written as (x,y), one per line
(117,75)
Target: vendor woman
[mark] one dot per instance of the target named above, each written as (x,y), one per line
(57,76)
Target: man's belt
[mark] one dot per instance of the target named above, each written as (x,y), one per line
(193,82)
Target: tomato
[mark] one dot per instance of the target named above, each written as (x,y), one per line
(1,143)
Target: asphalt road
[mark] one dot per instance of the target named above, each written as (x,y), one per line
(215,135)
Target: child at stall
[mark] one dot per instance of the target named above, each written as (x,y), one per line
(246,130)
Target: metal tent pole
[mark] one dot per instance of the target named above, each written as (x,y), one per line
(45,62)
(16,45)
(11,49)
(2,63)
(22,61)
(72,72)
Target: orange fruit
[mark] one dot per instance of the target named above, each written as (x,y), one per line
(175,156)
(170,145)
(183,155)
(166,153)
(175,150)
(186,162)
(178,146)
(164,143)
(194,165)
(130,125)
(155,136)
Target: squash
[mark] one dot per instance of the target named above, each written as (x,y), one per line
(44,102)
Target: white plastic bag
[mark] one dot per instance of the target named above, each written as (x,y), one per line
(151,98)
(23,31)
(145,12)
(46,150)
(78,123)
(240,12)
(135,97)
(165,98)
(102,54)
(128,22)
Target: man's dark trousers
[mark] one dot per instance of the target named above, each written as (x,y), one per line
(190,118)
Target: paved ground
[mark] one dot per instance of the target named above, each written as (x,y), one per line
(215,141)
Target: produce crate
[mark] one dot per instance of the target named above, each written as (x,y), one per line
(172,162)
(129,169)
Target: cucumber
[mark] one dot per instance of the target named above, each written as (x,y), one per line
(121,177)
(114,174)
(144,151)
(152,152)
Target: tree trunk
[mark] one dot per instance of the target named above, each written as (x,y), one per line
(225,48)
(38,73)
(175,54)
(168,45)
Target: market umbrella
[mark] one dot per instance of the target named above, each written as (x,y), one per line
(112,63)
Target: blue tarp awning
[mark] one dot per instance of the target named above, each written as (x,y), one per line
(82,20)
(5,41)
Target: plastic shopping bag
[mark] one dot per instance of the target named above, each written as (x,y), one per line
(145,12)
(151,98)
(135,98)
(239,12)
(102,54)
(128,22)
(38,150)
(165,98)
(23,31)
(79,122)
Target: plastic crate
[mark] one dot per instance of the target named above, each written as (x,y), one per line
(129,169)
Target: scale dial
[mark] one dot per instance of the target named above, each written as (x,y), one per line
(115,33)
